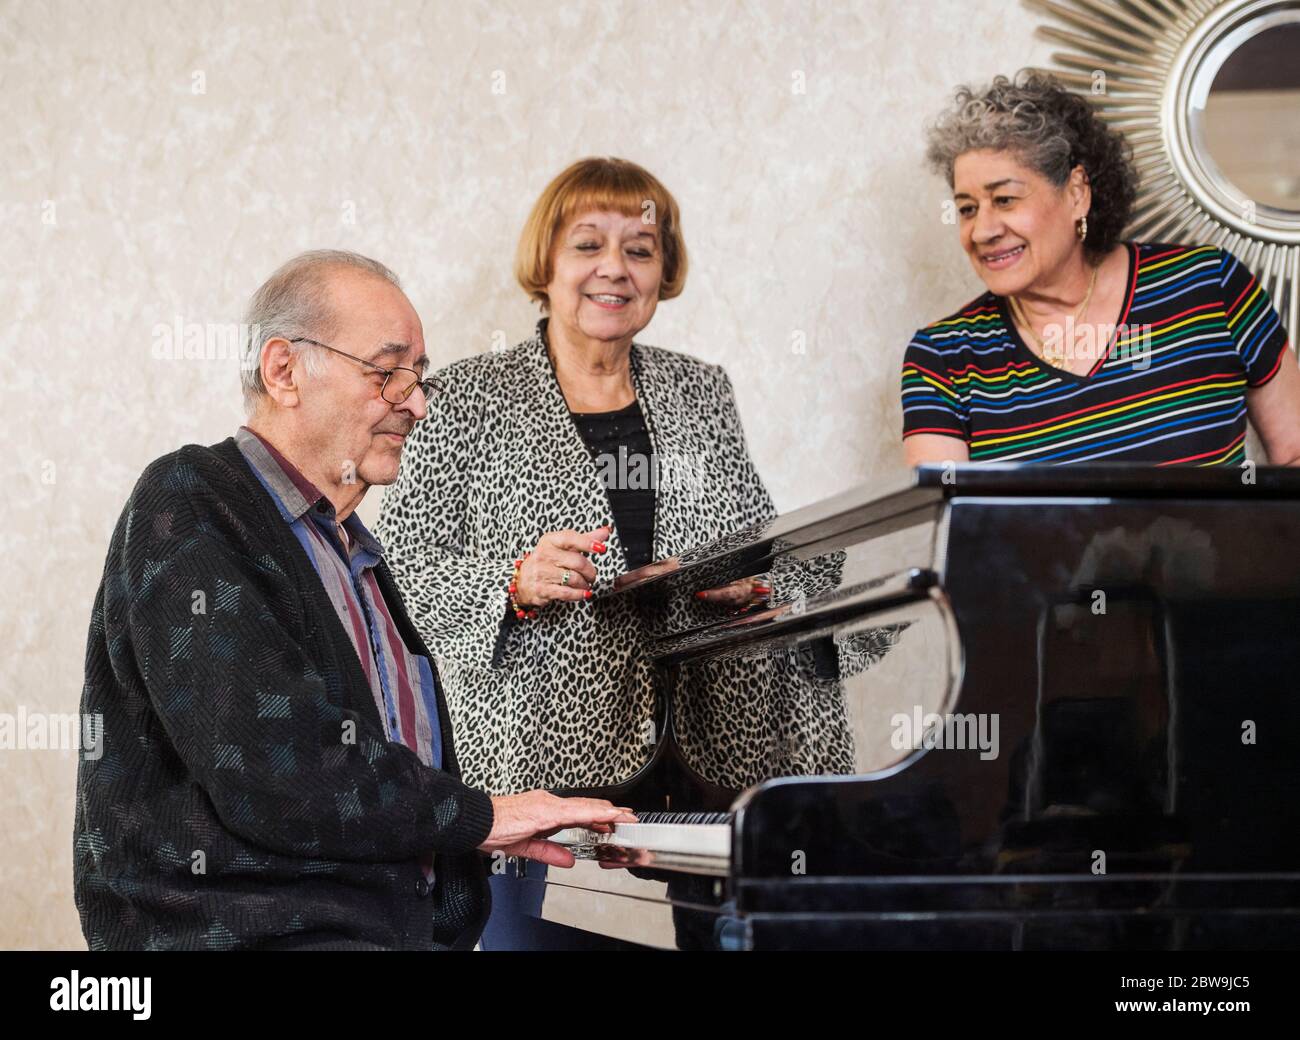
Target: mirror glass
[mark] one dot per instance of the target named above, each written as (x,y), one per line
(1251,121)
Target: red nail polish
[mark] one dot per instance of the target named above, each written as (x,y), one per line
(699,595)
(588,594)
(598,547)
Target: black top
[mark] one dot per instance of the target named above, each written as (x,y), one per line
(619,443)
(226,733)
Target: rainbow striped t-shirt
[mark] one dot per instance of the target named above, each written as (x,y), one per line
(1168,387)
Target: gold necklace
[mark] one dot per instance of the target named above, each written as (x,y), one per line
(1051,357)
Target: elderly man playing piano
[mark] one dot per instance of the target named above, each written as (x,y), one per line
(278,768)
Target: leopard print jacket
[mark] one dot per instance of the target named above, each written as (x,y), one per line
(565,701)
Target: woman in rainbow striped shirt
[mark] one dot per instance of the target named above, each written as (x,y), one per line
(1085,348)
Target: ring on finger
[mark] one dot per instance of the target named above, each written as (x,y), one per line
(564,576)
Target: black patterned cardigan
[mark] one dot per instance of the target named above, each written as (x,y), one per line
(246,796)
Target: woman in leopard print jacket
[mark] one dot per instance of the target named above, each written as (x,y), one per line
(507,462)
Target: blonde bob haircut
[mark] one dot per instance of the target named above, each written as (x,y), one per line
(615,185)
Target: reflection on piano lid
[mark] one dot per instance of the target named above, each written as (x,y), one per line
(994,707)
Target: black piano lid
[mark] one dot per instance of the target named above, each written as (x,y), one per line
(867,505)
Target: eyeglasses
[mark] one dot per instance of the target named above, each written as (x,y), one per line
(399,382)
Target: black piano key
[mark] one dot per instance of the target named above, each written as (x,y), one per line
(684,818)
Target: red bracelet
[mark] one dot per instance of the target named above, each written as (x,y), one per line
(521,612)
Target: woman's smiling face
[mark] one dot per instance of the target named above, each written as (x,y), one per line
(1017,227)
(606,272)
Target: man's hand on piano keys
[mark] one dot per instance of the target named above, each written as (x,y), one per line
(521,823)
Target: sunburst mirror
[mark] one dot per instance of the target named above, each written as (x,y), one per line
(1208,94)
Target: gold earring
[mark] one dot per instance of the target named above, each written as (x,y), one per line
(1081,228)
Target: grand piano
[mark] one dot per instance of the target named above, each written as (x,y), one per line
(1003,708)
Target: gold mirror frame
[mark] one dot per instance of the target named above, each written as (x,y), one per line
(1147,65)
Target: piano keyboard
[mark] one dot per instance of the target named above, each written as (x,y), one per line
(686,834)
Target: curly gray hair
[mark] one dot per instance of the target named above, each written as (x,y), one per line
(1051,130)
(294,302)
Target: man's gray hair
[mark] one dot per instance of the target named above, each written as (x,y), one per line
(294,302)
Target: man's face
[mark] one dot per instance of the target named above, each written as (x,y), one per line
(345,422)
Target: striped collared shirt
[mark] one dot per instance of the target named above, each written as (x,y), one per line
(402,682)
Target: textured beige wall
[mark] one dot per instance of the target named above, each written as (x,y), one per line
(159,159)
